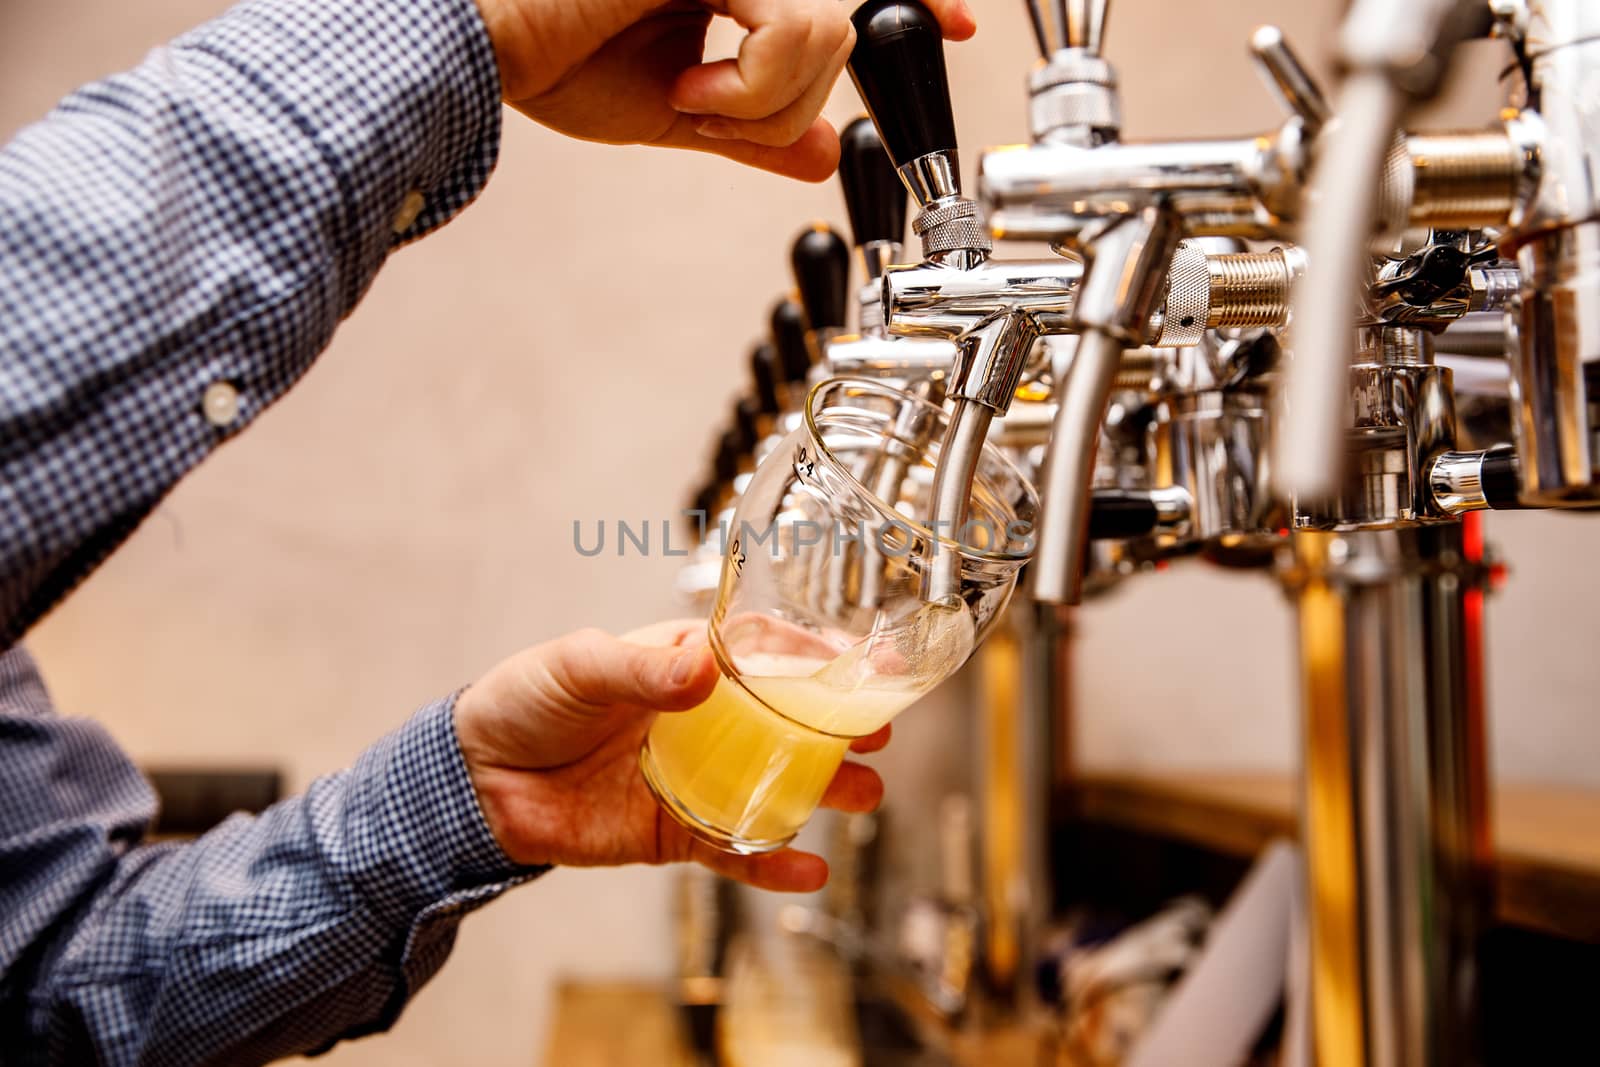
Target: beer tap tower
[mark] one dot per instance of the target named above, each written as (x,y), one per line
(1174,413)
(1373,480)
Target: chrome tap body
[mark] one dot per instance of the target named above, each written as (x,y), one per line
(1555,235)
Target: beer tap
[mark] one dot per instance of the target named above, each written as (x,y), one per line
(992,313)
(1081,188)
(1553,235)
(876,202)
(1396,55)
(1124,279)
(1387,582)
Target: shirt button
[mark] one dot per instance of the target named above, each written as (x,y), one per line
(410,208)
(220,404)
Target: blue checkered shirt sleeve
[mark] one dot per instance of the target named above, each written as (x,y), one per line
(209,218)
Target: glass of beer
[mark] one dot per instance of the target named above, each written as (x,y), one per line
(822,628)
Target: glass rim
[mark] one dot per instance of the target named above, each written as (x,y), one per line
(883,508)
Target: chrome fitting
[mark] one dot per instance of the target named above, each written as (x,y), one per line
(1073,100)
(949,226)
(1463,181)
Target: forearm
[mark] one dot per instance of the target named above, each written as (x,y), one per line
(207,219)
(278,934)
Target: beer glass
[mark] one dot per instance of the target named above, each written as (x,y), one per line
(822,629)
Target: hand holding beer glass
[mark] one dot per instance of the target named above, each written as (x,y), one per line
(822,631)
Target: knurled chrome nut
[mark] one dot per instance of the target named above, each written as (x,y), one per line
(1078,106)
(951,227)
(1188,303)
(957,235)
(1072,65)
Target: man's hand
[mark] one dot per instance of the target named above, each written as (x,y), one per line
(632,72)
(551,738)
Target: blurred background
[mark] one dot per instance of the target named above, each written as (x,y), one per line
(405,517)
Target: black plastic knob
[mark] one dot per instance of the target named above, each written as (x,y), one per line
(873,193)
(1502,478)
(821,263)
(705,501)
(789,338)
(731,450)
(898,67)
(1117,514)
(744,421)
(764,378)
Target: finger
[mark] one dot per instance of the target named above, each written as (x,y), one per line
(813,158)
(874,741)
(784,871)
(790,46)
(787,126)
(955,18)
(594,668)
(856,787)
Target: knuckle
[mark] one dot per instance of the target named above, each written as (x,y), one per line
(576,663)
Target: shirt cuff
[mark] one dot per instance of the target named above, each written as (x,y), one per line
(401,98)
(421,845)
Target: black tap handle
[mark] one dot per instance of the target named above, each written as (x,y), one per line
(744,422)
(764,378)
(725,468)
(898,68)
(873,193)
(789,338)
(821,262)
(705,502)
(1502,478)
(1117,514)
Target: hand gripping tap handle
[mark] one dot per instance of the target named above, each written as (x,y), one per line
(821,263)
(873,193)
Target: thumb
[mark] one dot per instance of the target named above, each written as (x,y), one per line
(595,668)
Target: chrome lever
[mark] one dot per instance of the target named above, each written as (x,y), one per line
(1288,78)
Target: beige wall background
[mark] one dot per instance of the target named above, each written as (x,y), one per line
(563,351)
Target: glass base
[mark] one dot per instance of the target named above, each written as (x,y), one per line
(714,836)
